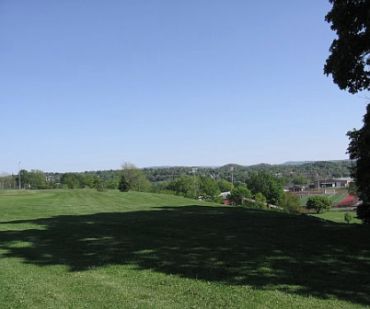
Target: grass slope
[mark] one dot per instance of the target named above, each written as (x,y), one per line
(85,249)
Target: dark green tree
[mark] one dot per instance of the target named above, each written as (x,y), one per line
(359,150)
(123,184)
(349,65)
(349,59)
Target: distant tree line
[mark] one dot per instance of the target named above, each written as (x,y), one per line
(259,189)
(206,181)
(290,173)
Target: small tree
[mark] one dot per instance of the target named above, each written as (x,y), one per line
(238,194)
(318,203)
(123,184)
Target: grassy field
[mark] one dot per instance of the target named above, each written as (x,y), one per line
(86,249)
(337,216)
(335,198)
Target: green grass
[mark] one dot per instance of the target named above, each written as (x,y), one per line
(337,216)
(335,198)
(86,249)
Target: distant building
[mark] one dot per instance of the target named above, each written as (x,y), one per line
(224,195)
(296,188)
(343,182)
(334,183)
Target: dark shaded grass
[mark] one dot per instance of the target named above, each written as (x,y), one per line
(237,246)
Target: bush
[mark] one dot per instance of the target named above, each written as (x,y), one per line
(318,203)
(290,203)
(123,185)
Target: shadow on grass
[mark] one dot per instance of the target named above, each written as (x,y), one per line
(266,250)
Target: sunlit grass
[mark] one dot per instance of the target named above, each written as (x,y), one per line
(87,249)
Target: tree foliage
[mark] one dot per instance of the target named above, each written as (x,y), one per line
(238,194)
(319,203)
(208,187)
(349,61)
(224,185)
(349,64)
(266,184)
(135,178)
(34,179)
(359,149)
(71,180)
(290,203)
(123,184)
(184,185)
(261,200)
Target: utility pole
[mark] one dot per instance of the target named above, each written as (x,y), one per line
(232,174)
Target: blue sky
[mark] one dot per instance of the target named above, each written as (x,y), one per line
(87,85)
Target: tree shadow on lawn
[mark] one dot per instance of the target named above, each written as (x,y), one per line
(237,246)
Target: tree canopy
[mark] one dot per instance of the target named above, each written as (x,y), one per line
(266,184)
(359,149)
(319,203)
(349,60)
(349,64)
(136,178)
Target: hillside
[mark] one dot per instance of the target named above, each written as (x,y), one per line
(83,248)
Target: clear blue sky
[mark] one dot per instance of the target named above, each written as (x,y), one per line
(87,85)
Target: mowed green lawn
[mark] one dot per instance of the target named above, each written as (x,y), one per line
(86,249)
(338,216)
(335,198)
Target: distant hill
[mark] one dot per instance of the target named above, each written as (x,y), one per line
(296,162)
(310,170)
(289,172)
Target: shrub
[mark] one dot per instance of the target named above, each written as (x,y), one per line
(123,185)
